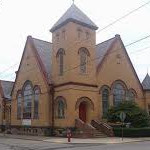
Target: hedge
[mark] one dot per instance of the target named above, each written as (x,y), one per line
(132,132)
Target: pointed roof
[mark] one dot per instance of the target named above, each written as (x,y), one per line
(74,14)
(102,49)
(44,50)
(146,82)
(6,88)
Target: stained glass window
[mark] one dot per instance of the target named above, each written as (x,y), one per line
(27,103)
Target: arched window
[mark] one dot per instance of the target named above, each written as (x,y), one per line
(60,56)
(105,101)
(61,107)
(118,93)
(19,103)
(84,53)
(131,96)
(27,103)
(36,102)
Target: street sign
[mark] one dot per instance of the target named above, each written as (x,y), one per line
(122,116)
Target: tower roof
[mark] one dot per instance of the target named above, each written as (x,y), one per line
(146,82)
(74,14)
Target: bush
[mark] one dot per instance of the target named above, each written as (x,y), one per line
(132,132)
(134,114)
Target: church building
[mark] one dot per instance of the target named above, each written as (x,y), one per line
(71,82)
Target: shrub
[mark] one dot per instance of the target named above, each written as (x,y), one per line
(132,132)
(134,114)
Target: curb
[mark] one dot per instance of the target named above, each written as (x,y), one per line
(65,142)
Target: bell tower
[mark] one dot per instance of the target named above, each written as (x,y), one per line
(74,40)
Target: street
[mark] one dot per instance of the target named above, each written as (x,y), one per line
(20,144)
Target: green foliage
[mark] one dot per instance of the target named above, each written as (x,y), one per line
(132,132)
(134,114)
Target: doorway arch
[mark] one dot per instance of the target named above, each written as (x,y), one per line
(83,111)
(84,105)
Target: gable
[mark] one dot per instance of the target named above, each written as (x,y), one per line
(116,65)
(44,50)
(31,67)
(102,49)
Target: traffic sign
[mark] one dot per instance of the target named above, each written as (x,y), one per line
(122,116)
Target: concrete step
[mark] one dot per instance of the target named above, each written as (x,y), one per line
(99,134)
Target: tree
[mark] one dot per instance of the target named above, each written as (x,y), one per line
(134,114)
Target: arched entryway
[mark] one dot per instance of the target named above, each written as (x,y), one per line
(83,111)
(84,105)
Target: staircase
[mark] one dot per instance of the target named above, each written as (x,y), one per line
(99,134)
(103,127)
(86,130)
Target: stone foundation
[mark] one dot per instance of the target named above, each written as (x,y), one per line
(28,130)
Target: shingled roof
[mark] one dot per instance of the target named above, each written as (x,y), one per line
(74,14)
(6,88)
(44,50)
(102,48)
(146,82)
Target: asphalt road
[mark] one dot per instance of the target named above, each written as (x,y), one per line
(19,144)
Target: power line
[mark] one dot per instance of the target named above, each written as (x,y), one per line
(77,66)
(130,44)
(119,19)
(71,48)
(138,40)
(102,28)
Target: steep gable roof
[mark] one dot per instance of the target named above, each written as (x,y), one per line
(44,50)
(146,82)
(102,49)
(6,88)
(74,14)
(42,55)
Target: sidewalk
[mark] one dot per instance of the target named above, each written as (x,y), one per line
(107,140)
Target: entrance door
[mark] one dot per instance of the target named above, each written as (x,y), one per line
(82,111)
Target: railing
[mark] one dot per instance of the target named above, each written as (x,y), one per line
(103,127)
(86,129)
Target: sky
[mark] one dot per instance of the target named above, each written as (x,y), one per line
(20,18)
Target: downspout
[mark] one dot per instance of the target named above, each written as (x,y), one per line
(53,109)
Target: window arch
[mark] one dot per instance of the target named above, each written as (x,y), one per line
(118,93)
(27,103)
(36,102)
(131,95)
(60,56)
(84,53)
(61,111)
(19,103)
(61,106)
(105,101)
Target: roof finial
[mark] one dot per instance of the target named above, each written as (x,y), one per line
(73,1)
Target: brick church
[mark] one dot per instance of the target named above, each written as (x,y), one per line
(69,82)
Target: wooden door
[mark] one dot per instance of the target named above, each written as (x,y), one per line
(82,111)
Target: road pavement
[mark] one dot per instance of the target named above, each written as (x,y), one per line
(22,144)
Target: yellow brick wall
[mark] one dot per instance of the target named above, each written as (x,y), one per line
(71,44)
(72,94)
(111,71)
(29,70)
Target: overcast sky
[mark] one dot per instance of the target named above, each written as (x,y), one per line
(20,18)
